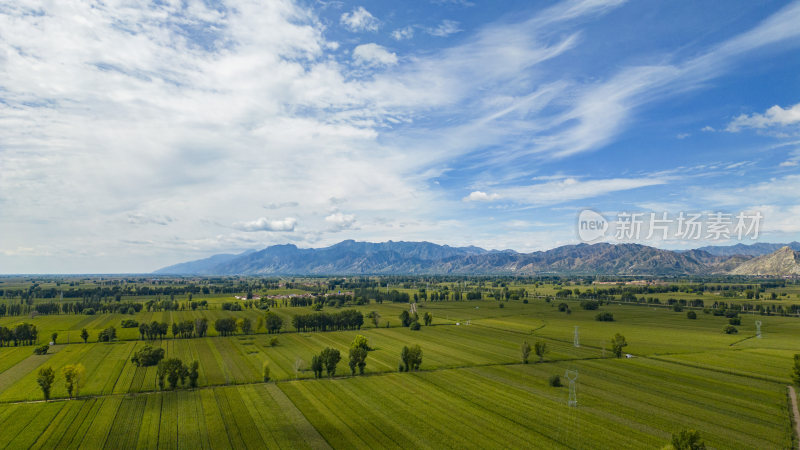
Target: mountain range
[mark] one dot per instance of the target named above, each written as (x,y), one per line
(424,258)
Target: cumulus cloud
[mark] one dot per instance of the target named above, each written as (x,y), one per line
(444,29)
(359,19)
(480,196)
(264,224)
(341,221)
(773,117)
(373,55)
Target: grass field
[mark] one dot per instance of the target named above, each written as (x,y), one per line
(472,390)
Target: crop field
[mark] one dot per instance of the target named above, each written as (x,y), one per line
(471,391)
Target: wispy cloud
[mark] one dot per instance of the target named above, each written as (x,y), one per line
(569,189)
(444,29)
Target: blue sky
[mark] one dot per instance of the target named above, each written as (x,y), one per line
(135,135)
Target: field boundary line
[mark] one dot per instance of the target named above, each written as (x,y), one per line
(717,370)
(310,434)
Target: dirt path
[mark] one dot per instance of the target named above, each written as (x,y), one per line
(22,368)
(796,413)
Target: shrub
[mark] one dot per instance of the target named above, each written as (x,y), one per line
(563,307)
(107,335)
(89,311)
(590,305)
(273,342)
(502,305)
(415,325)
(147,356)
(41,350)
(735,321)
(604,317)
(730,329)
(555,381)
(687,440)
(130,323)
(691,315)
(525,301)
(677,307)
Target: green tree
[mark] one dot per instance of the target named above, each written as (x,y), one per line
(45,379)
(330,358)
(526,352)
(174,370)
(194,374)
(427,318)
(405,318)
(53,337)
(617,344)
(540,348)
(73,376)
(274,323)
(360,342)
(245,325)
(691,315)
(84,335)
(358,358)
(796,369)
(316,366)
(358,354)
(411,358)
(688,440)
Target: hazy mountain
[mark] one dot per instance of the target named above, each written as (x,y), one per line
(757,249)
(783,262)
(351,257)
(203,266)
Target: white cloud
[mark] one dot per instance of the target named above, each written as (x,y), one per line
(373,55)
(569,189)
(359,19)
(341,221)
(480,196)
(264,224)
(774,116)
(444,29)
(404,33)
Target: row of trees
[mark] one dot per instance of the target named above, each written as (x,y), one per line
(22,334)
(175,371)
(348,319)
(73,379)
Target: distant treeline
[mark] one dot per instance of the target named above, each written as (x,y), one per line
(348,319)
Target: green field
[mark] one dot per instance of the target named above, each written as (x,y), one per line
(472,390)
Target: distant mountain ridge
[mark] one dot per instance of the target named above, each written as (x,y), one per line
(784,262)
(757,249)
(424,258)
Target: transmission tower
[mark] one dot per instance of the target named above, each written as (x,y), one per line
(576,341)
(572,377)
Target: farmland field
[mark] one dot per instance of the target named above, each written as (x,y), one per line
(472,389)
